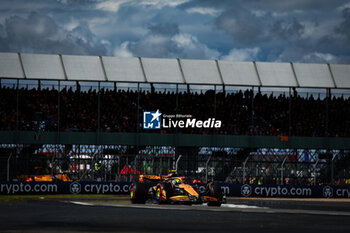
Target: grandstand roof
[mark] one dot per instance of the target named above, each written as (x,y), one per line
(173,71)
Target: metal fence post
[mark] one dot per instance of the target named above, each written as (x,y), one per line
(177,162)
(332,168)
(282,169)
(8,167)
(244,168)
(253,127)
(315,175)
(206,169)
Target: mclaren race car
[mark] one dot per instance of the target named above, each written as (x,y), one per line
(173,189)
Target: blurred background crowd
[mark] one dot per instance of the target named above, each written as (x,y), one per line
(241,112)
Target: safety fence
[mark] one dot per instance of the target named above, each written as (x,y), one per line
(236,190)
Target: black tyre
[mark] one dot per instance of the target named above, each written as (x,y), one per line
(138,193)
(214,190)
(168,188)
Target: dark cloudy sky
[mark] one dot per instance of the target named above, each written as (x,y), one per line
(262,30)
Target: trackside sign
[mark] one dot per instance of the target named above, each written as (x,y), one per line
(12,188)
(237,190)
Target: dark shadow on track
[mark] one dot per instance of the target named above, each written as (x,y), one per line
(56,216)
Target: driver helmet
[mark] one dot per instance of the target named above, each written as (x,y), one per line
(176,181)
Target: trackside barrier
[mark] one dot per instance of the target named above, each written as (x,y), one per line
(237,190)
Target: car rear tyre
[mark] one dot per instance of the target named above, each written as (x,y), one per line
(214,190)
(168,188)
(138,193)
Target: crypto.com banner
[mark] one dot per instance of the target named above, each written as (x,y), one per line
(11,188)
(237,190)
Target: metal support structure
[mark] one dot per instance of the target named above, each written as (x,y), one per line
(8,167)
(138,117)
(135,165)
(282,170)
(58,109)
(98,122)
(253,128)
(177,162)
(332,167)
(214,102)
(315,175)
(99,110)
(17,106)
(177,100)
(138,106)
(176,110)
(328,96)
(53,163)
(290,113)
(206,169)
(244,168)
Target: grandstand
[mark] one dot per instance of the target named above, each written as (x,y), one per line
(282,123)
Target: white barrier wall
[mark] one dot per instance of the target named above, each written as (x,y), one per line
(40,66)
(341,74)
(123,69)
(313,75)
(200,72)
(83,68)
(183,71)
(10,66)
(238,73)
(162,70)
(276,74)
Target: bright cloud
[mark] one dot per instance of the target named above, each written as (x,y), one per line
(247,54)
(204,11)
(111,5)
(162,3)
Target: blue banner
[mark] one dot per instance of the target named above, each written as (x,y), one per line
(235,190)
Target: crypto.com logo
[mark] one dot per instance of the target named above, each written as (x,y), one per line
(246,190)
(75,187)
(152,120)
(327,192)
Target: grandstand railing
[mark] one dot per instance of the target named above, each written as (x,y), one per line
(181,140)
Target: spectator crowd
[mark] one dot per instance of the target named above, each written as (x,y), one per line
(241,112)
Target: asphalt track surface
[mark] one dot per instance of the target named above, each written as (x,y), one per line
(238,215)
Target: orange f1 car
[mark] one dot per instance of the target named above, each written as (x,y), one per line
(172,189)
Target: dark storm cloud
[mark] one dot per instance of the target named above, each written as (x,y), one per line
(271,5)
(288,5)
(298,30)
(173,44)
(78,2)
(288,30)
(242,25)
(344,27)
(165,29)
(264,30)
(40,34)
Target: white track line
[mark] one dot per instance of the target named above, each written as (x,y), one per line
(242,206)
(81,203)
(223,208)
